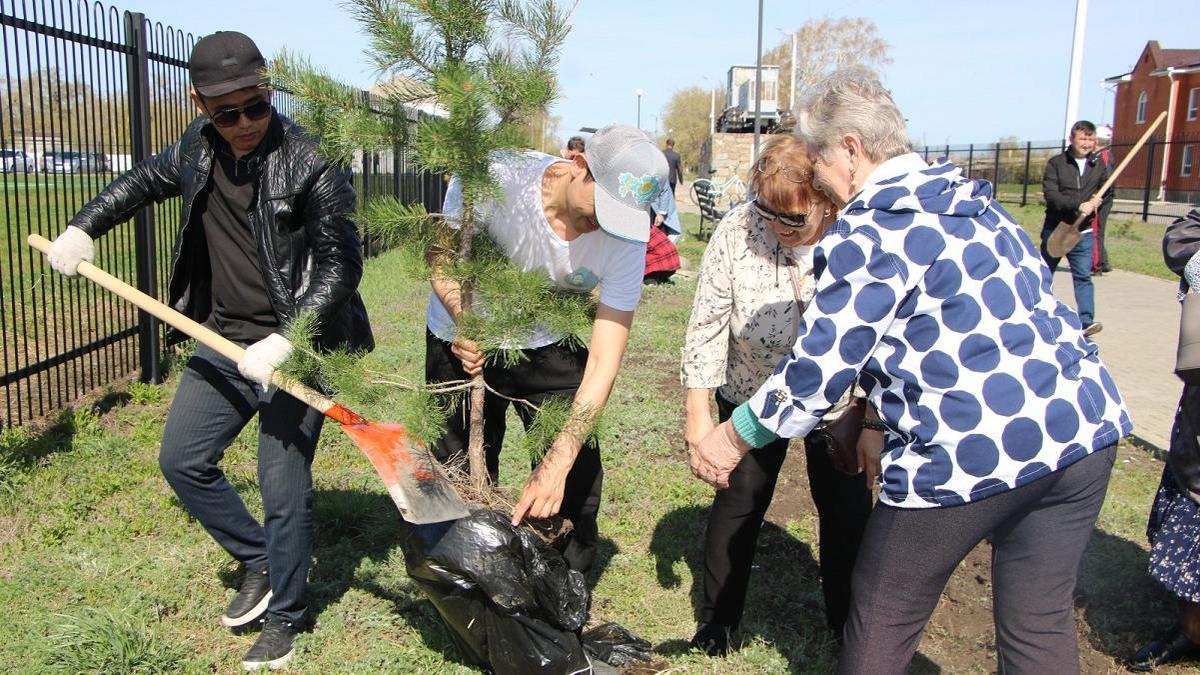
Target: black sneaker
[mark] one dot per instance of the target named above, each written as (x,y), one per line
(251,600)
(274,647)
(713,639)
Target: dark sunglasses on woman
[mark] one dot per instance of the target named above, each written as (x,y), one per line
(789,219)
(227,117)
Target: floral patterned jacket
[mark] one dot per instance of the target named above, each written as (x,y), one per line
(745,314)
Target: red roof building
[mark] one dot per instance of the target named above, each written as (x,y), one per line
(1163,79)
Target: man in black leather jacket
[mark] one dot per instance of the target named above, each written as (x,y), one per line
(265,234)
(1070,186)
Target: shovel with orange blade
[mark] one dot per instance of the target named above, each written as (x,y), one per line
(413,477)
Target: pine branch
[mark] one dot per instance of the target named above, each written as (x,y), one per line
(395,44)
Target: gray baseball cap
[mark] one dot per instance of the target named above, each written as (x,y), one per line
(630,171)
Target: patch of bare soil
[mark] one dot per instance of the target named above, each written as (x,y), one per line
(960,636)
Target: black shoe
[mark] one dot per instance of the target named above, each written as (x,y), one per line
(274,647)
(251,600)
(1167,648)
(713,639)
(1105,268)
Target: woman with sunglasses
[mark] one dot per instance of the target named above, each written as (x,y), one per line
(754,282)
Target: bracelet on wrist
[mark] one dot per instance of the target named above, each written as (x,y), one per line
(874,425)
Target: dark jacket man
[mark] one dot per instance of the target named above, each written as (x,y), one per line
(264,235)
(1065,189)
(310,253)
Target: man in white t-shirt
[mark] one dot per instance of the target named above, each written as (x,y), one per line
(585,223)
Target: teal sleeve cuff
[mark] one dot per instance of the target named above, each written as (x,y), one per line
(749,428)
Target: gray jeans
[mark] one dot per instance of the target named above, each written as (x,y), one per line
(1038,534)
(210,407)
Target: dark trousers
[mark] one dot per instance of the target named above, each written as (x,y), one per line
(210,407)
(843,506)
(1101,226)
(544,373)
(1038,533)
(1080,261)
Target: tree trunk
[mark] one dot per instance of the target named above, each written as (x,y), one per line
(475,454)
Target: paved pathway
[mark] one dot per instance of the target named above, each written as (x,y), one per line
(1141,327)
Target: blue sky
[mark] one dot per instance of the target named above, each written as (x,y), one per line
(963,71)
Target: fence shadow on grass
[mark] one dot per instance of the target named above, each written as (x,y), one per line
(784,603)
(1122,606)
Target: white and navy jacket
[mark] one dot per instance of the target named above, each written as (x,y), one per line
(931,293)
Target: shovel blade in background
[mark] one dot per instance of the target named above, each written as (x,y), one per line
(413,478)
(1063,238)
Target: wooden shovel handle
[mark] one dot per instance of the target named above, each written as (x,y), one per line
(195,330)
(1112,178)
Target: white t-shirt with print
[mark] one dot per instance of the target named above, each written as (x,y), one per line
(517,223)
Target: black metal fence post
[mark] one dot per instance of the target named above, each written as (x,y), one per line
(138,69)
(970,160)
(1025,180)
(1150,147)
(996,169)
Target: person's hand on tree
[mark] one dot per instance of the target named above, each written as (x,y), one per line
(543,493)
(468,353)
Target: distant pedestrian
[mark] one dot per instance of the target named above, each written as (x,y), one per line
(674,164)
(1100,263)
(574,147)
(1071,187)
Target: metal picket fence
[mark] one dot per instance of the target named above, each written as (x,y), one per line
(90,90)
(1015,168)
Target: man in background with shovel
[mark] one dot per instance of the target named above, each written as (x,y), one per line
(1071,187)
(265,234)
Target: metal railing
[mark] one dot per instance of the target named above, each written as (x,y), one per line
(88,92)
(1016,169)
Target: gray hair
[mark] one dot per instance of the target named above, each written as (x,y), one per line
(852,101)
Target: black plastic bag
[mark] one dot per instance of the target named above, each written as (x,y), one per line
(613,644)
(510,601)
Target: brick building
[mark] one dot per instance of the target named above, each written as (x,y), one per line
(1163,79)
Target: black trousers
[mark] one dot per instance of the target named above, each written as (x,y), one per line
(543,373)
(1038,533)
(843,507)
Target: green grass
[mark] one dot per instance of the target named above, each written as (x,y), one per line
(101,569)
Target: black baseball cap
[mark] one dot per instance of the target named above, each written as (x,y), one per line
(224,62)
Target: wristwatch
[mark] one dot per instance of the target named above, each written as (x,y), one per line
(875,425)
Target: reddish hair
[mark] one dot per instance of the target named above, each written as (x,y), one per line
(778,192)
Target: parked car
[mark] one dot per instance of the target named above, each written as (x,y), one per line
(16,161)
(71,161)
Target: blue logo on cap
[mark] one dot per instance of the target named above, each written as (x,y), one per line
(643,189)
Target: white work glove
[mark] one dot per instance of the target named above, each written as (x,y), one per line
(263,357)
(69,249)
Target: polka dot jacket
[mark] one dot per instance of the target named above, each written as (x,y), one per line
(931,290)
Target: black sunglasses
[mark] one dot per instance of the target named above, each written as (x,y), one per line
(789,219)
(227,117)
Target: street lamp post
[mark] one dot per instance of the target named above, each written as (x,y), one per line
(639,93)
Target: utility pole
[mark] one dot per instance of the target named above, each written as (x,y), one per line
(792,95)
(1076,66)
(757,83)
